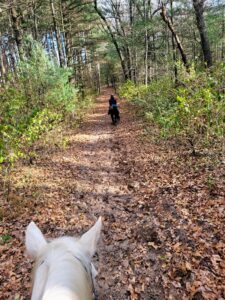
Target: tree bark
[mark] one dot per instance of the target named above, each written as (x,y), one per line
(123,65)
(173,46)
(99,77)
(57,33)
(132,50)
(34,7)
(66,31)
(147,10)
(223,35)
(125,49)
(199,10)
(176,37)
(17,30)
(146,56)
(66,28)
(2,67)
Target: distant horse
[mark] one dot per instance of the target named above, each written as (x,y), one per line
(63,268)
(113,110)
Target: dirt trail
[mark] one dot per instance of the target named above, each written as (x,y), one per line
(93,162)
(64,191)
(163,221)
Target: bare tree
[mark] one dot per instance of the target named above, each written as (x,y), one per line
(114,40)
(169,23)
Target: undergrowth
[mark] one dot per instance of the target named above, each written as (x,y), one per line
(37,105)
(193,108)
(34,103)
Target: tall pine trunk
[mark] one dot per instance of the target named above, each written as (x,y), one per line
(175,36)
(223,35)
(34,7)
(199,10)
(66,19)
(17,30)
(173,46)
(2,66)
(57,34)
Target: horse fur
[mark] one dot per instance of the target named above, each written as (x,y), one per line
(63,268)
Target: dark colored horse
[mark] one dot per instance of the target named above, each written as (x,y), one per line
(113,110)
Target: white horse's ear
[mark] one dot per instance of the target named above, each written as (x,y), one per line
(35,240)
(89,240)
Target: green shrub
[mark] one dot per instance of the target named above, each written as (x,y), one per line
(196,106)
(128,90)
(32,104)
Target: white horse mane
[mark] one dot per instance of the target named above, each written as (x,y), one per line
(63,268)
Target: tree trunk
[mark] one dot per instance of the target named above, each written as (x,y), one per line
(53,44)
(176,37)
(119,26)
(173,46)
(66,29)
(67,35)
(2,67)
(223,36)
(147,12)
(199,10)
(57,33)
(132,51)
(122,62)
(17,30)
(68,48)
(34,6)
(146,56)
(99,77)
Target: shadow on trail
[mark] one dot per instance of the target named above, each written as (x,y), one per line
(66,189)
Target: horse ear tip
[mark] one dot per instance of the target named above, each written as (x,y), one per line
(31,225)
(100,220)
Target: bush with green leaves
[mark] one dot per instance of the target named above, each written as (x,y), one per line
(33,102)
(194,107)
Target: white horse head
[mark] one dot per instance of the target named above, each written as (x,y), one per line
(63,268)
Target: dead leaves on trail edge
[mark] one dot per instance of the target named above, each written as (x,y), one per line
(163,211)
(179,201)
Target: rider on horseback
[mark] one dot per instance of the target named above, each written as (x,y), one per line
(113,109)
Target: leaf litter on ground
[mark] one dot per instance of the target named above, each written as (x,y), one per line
(163,210)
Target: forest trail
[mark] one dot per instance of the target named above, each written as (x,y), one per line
(159,241)
(102,189)
(65,191)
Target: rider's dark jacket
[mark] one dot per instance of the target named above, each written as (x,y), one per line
(112,101)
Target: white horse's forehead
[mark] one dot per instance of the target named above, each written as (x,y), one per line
(64,257)
(59,247)
(66,242)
